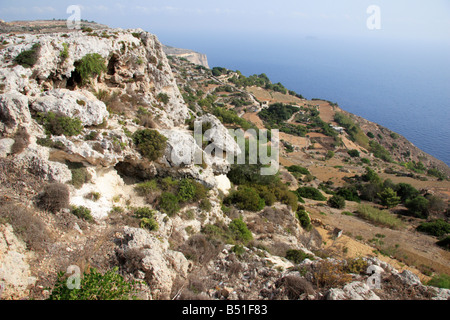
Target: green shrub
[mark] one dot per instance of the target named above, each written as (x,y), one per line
(28,58)
(162,97)
(186,190)
(353,153)
(311,193)
(418,207)
(245,198)
(143,212)
(406,191)
(150,143)
(60,125)
(298,169)
(80,175)
(149,224)
(239,231)
(337,202)
(440,281)
(64,54)
(89,66)
(444,243)
(205,205)
(144,188)
(297,256)
(94,286)
(304,219)
(238,250)
(169,204)
(82,213)
(349,193)
(436,228)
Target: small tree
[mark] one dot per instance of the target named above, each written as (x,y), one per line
(389,198)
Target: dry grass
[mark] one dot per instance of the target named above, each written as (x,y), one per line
(54,197)
(26,225)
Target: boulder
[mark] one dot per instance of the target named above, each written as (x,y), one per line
(159,265)
(14,111)
(353,291)
(75,104)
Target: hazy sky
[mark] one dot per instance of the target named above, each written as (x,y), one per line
(169,19)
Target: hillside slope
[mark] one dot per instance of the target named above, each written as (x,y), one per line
(100,171)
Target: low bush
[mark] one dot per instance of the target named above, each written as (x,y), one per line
(245,198)
(58,125)
(437,228)
(149,224)
(82,212)
(418,207)
(353,153)
(444,243)
(297,256)
(150,143)
(304,219)
(54,197)
(298,169)
(337,202)
(169,203)
(28,58)
(205,205)
(94,286)
(356,266)
(80,175)
(239,231)
(311,193)
(440,281)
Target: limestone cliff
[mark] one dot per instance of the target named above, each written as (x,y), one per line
(192,56)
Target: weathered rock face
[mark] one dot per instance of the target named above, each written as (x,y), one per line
(15,275)
(135,63)
(13,111)
(159,266)
(75,104)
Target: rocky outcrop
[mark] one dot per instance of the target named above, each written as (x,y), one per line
(13,111)
(75,104)
(15,275)
(157,264)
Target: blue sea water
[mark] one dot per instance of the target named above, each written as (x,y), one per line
(402,85)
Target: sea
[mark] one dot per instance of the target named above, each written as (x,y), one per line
(403,85)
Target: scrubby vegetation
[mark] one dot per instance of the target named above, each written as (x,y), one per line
(93,286)
(382,217)
(311,193)
(150,143)
(437,228)
(89,66)
(58,125)
(28,58)
(55,196)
